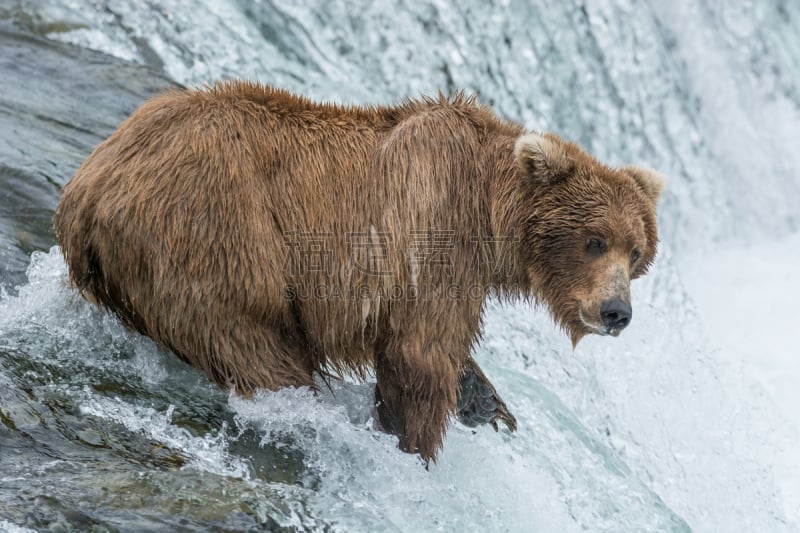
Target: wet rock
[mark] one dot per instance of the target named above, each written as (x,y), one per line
(58,102)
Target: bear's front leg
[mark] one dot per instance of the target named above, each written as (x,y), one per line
(416,394)
(478,401)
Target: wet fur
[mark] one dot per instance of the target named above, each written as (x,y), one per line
(183,223)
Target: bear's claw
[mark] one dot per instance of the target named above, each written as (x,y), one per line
(479,403)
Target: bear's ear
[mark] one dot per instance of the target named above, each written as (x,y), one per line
(543,158)
(651,182)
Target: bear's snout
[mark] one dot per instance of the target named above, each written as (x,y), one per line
(616,315)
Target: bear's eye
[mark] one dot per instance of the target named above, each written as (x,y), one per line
(596,246)
(635,255)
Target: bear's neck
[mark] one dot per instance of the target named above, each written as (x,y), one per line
(506,203)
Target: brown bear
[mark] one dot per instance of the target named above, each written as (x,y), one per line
(265,238)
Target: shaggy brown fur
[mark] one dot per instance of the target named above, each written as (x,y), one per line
(264,238)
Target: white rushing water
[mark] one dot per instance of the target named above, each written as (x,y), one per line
(685,421)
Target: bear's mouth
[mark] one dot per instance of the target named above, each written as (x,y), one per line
(597,328)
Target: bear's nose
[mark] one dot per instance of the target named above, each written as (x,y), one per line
(616,314)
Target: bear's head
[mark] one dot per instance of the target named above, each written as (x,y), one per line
(587,231)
